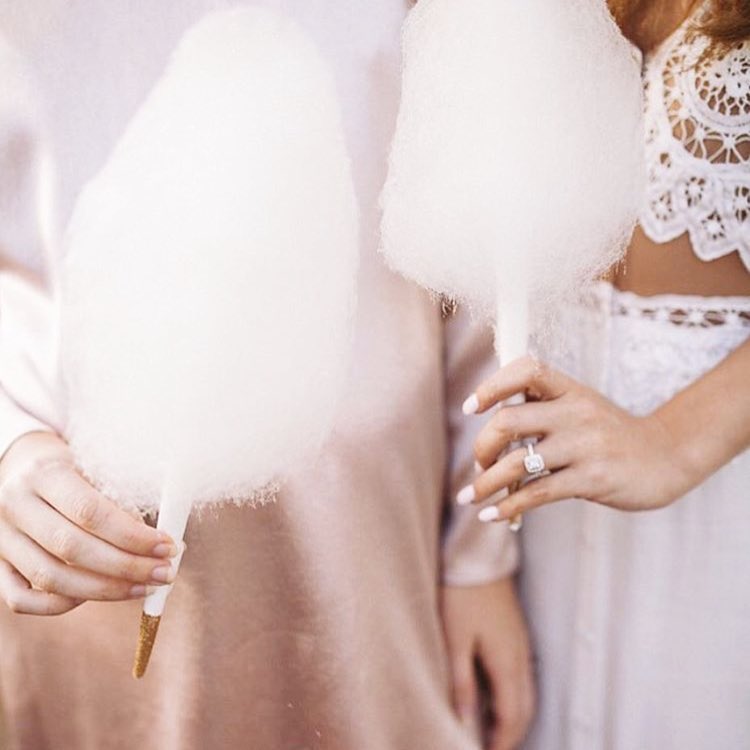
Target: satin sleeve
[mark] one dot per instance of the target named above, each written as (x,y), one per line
(473,553)
(28,371)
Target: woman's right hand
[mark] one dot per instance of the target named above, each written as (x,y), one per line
(485,624)
(62,542)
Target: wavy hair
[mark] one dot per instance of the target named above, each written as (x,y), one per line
(725,23)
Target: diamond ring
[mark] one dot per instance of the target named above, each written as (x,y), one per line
(533,461)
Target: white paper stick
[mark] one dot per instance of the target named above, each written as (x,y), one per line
(173,519)
(512,319)
(512,342)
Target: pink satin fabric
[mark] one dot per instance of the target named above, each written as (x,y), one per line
(312,622)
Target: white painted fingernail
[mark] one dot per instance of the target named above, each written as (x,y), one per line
(490,513)
(466,495)
(471,405)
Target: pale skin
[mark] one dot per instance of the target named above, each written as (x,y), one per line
(601,453)
(62,542)
(596,450)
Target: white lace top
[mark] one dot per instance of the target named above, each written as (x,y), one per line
(698,146)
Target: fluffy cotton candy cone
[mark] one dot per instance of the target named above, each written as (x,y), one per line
(209,276)
(516,169)
(516,162)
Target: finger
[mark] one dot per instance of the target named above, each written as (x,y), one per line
(512,423)
(528,698)
(511,468)
(512,720)
(69,543)
(464,687)
(69,493)
(560,485)
(508,724)
(17,593)
(512,698)
(46,573)
(514,732)
(523,376)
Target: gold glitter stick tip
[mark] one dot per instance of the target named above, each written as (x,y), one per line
(146,637)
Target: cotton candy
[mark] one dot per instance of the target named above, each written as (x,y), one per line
(516,169)
(208,282)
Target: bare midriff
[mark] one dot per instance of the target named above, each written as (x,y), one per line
(652,268)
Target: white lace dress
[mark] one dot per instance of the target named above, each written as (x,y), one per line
(641,621)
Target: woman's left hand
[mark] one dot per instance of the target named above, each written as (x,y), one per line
(591,448)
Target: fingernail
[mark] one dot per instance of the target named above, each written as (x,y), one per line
(162,574)
(136,592)
(490,513)
(165,549)
(466,495)
(471,405)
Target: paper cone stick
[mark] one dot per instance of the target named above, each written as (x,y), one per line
(511,342)
(173,518)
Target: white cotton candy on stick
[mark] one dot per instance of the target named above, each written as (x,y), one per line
(517,159)
(209,277)
(516,169)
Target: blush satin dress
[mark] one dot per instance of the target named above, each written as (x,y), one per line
(311,623)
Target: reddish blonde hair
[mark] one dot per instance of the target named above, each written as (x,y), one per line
(726,23)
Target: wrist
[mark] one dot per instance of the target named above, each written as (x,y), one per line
(18,444)
(505,586)
(679,450)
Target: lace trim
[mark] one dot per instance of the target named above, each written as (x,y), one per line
(640,351)
(698,146)
(687,311)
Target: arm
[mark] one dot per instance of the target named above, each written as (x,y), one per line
(26,404)
(27,359)
(720,398)
(471,554)
(597,451)
(61,542)
(482,617)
